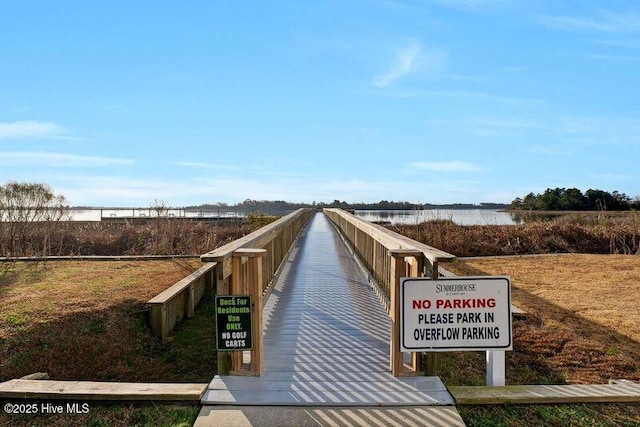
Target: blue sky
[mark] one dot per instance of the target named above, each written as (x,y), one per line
(123,103)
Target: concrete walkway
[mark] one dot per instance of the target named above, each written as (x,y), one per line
(326,340)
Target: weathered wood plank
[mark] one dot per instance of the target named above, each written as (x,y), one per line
(36,376)
(181,285)
(516,311)
(532,394)
(90,390)
(178,301)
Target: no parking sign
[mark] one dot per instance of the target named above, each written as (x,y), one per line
(456,314)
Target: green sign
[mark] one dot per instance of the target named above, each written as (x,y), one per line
(233,320)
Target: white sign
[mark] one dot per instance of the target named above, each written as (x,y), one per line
(455,314)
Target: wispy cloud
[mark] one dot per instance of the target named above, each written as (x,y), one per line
(58,160)
(449,166)
(505,122)
(497,125)
(549,151)
(31,129)
(578,130)
(617,58)
(614,177)
(194,165)
(604,21)
(124,191)
(464,94)
(409,60)
(204,165)
(20,109)
(619,43)
(120,191)
(404,63)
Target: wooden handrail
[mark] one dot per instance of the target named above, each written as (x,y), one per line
(389,256)
(391,239)
(256,239)
(373,244)
(276,238)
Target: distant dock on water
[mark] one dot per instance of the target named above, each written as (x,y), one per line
(142,215)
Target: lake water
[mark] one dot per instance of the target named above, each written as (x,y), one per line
(458,216)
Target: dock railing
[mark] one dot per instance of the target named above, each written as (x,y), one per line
(248,266)
(389,256)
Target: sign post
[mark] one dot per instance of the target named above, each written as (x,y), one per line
(233,319)
(458,314)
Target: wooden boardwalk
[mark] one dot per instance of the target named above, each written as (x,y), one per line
(326,338)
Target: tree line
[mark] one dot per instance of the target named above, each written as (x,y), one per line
(281,206)
(572,199)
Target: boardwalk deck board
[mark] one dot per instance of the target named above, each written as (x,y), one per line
(326,338)
(520,394)
(280,383)
(327,398)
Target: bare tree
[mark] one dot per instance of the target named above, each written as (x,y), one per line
(160,208)
(28,215)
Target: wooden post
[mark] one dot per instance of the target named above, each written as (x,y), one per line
(256,291)
(209,280)
(431,359)
(399,269)
(222,288)
(191,301)
(416,268)
(237,288)
(248,263)
(159,322)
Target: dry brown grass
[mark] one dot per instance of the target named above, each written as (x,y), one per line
(583,318)
(160,236)
(567,234)
(84,320)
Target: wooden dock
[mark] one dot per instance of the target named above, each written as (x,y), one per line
(326,338)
